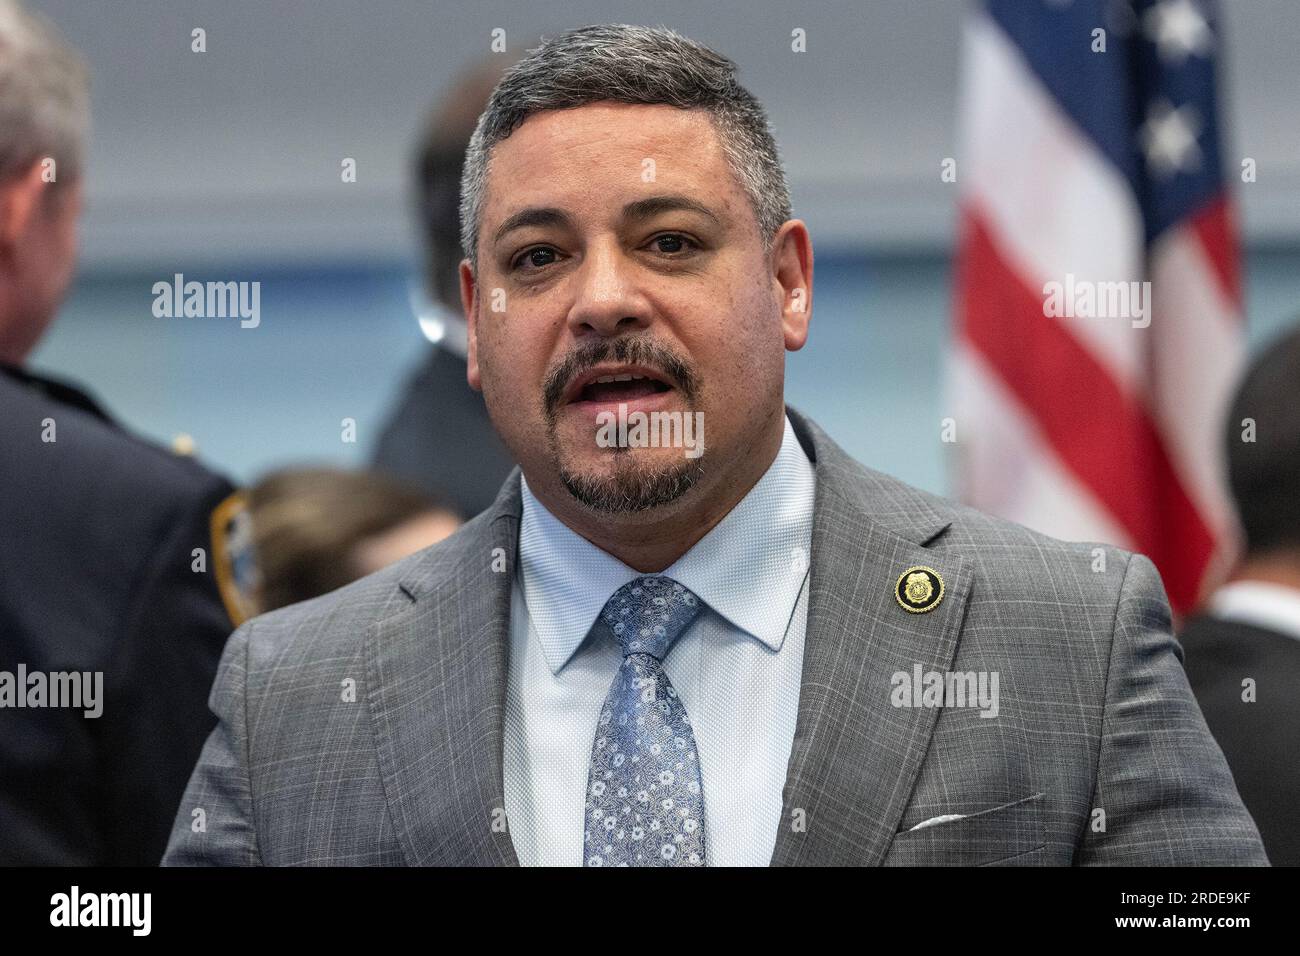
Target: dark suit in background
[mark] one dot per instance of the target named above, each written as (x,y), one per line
(1250,626)
(95,575)
(439,437)
(441,440)
(1254,736)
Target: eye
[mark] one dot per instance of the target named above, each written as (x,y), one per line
(675,241)
(537,257)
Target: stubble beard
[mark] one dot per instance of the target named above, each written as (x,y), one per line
(632,487)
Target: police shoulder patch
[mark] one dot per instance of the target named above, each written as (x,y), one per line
(233,560)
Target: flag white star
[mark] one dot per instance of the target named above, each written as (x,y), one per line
(1179,30)
(1169,138)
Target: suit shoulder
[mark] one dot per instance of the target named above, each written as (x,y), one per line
(87,484)
(338,622)
(60,447)
(111,518)
(981,532)
(984,536)
(342,616)
(1007,560)
(1019,562)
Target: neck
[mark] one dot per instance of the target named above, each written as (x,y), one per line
(650,541)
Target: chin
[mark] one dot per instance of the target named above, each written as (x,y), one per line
(631,482)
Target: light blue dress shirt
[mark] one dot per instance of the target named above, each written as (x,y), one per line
(736,668)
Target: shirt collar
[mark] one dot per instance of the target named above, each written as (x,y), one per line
(1272,606)
(749,568)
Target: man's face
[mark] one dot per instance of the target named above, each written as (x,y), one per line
(615,243)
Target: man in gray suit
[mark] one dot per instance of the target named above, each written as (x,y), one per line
(660,649)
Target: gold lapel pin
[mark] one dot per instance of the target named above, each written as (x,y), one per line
(919,590)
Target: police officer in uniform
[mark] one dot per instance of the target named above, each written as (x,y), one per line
(117,558)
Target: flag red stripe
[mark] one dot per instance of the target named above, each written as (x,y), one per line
(1101,433)
(1215,225)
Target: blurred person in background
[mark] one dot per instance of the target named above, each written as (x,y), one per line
(111,548)
(317,529)
(1243,650)
(437,411)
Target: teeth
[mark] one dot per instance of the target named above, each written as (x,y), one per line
(624,377)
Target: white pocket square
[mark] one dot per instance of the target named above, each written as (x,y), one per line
(944,818)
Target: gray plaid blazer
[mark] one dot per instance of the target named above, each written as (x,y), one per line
(365,726)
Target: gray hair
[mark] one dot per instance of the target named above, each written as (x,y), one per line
(630,64)
(44,96)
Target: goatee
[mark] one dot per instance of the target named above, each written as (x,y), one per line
(632,489)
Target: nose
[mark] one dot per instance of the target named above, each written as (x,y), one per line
(607,301)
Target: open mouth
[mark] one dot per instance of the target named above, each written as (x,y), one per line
(611,386)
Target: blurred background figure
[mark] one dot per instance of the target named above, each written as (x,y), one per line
(1243,651)
(439,437)
(110,548)
(317,529)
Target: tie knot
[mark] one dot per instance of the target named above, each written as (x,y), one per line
(649,613)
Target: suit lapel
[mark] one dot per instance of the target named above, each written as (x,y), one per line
(436,691)
(855,756)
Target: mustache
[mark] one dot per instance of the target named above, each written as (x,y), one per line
(637,351)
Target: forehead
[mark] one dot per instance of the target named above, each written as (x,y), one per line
(605,152)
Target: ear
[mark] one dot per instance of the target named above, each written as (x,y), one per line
(469,302)
(19,201)
(792,278)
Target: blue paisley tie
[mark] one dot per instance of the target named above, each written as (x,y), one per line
(645,804)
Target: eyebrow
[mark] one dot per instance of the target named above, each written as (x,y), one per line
(638,211)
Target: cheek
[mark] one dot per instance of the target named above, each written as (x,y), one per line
(511,359)
(744,338)
(492,375)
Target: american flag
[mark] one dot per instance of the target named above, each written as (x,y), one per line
(1088,405)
